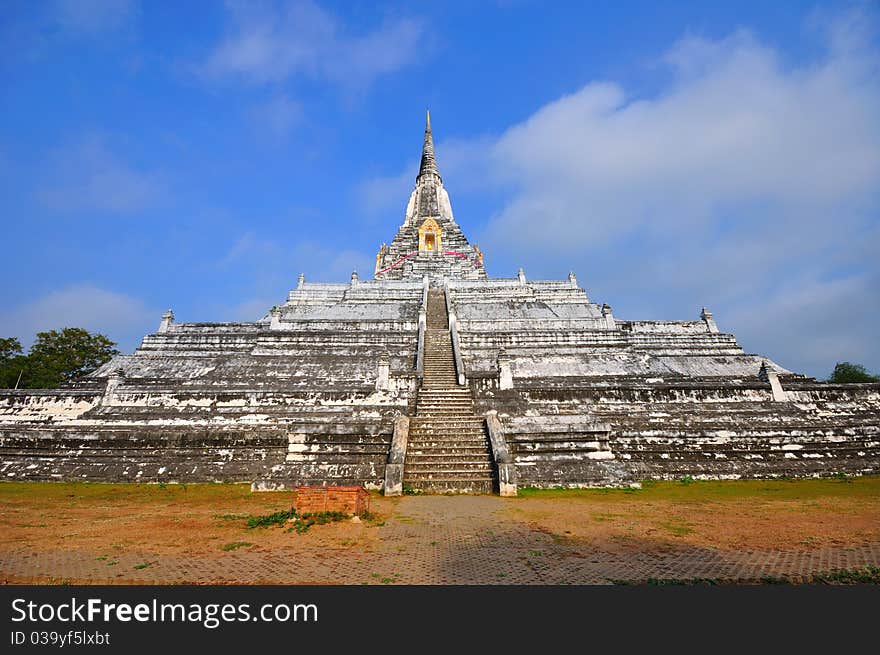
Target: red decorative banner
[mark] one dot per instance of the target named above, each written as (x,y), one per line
(452,253)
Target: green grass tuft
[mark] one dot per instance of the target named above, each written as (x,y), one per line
(236,545)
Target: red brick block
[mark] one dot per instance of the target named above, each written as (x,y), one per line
(350,500)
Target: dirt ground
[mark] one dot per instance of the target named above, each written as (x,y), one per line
(730,515)
(118,525)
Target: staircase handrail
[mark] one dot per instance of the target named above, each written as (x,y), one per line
(453,331)
(423,319)
(501,454)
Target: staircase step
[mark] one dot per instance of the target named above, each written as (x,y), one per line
(453,486)
(460,446)
(447,456)
(448,433)
(435,469)
(450,474)
(435,423)
(446,422)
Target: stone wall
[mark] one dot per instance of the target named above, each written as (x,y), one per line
(593,435)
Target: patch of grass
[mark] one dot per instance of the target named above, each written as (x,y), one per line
(866,575)
(690,582)
(781,488)
(234,545)
(409,491)
(230,517)
(276,518)
(604,517)
(143,566)
(678,528)
(563,492)
(298,523)
(687,479)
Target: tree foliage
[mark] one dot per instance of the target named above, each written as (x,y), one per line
(847,372)
(12,362)
(55,358)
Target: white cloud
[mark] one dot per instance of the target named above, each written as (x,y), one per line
(273,42)
(91,17)
(813,325)
(252,248)
(322,264)
(746,184)
(386,194)
(121,317)
(252,310)
(277,116)
(89,177)
(735,129)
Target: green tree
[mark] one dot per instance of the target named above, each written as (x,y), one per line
(846,372)
(12,362)
(59,357)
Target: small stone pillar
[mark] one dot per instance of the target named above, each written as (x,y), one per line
(300,281)
(521,276)
(383,372)
(768,375)
(116,377)
(167,320)
(572,280)
(501,453)
(706,315)
(609,317)
(354,278)
(397,457)
(275,318)
(505,373)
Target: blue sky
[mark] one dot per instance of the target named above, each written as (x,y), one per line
(200,156)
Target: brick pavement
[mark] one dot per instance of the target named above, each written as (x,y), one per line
(435,540)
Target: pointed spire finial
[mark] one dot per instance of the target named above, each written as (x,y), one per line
(429,164)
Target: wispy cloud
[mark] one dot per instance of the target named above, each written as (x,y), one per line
(276,116)
(813,324)
(735,134)
(88,176)
(386,194)
(277,41)
(93,17)
(747,184)
(123,318)
(265,270)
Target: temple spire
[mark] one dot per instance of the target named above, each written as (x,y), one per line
(429,164)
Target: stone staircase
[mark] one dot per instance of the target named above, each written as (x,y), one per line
(448,449)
